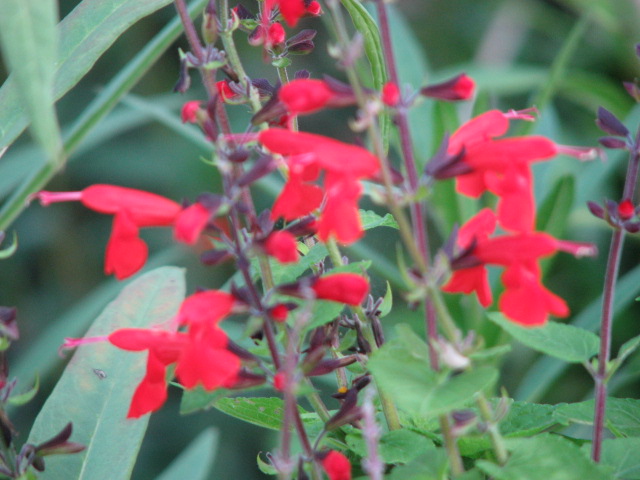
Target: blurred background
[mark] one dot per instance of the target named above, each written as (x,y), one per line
(512,49)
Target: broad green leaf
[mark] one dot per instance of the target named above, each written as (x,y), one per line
(544,457)
(30,47)
(566,342)
(198,399)
(621,454)
(371,219)
(402,370)
(95,389)
(195,461)
(290,272)
(622,415)
(397,446)
(528,419)
(546,370)
(84,35)
(432,465)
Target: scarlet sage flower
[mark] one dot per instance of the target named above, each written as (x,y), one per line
(126,253)
(525,300)
(336,465)
(348,288)
(460,87)
(293,10)
(200,352)
(500,166)
(309,95)
(306,156)
(282,245)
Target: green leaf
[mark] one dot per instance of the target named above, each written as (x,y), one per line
(554,210)
(430,466)
(261,411)
(528,419)
(387,302)
(265,467)
(367,26)
(11,249)
(84,35)
(542,458)
(291,272)
(26,397)
(622,455)
(97,405)
(29,44)
(566,342)
(546,370)
(622,415)
(401,368)
(627,349)
(195,461)
(198,399)
(397,446)
(371,219)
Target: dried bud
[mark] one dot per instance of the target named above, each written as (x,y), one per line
(349,411)
(613,142)
(210,23)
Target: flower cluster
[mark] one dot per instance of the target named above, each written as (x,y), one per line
(503,167)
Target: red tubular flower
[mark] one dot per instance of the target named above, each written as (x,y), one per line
(343,164)
(390,94)
(225,91)
(126,253)
(308,95)
(525,300)
(460,87)
(336,465)
(348,288)
(189,112)
(200,353)
(282,245)
(500,166)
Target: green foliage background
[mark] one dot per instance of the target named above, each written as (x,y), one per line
(511,47)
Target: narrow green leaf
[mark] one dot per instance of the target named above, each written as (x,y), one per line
(628,348)
(26,397)
(11,249)
(387,302)
(554,210)
(30,46)
(84,35)
(265,467)
(261,411)
(198,399)
(621,454)
(195,461)
(97,405)
(566,342)
(367,26)
(544,457)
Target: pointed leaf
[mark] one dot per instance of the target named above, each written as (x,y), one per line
(84,35)
(621,454)
(97,405)
(195,461)
(566,342)
(30,46)
(622,415)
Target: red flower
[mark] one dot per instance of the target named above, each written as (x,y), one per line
(200,353)
(344,165)
(500,166)
(460,87)
(189,113)
(348,288)
(225,92)
(283,246)
(293,10)
(390,94)
(525,300)
(126,253)
(276,34)
(309,95)
(336,465)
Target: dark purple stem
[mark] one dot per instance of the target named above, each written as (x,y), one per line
(208,76)
(608,295)
(417,212)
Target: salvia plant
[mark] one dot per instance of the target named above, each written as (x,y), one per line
(367,359)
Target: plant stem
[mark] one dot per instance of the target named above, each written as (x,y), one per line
(606,322)
(493,429)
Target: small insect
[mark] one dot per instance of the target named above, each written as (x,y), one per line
(101,374)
